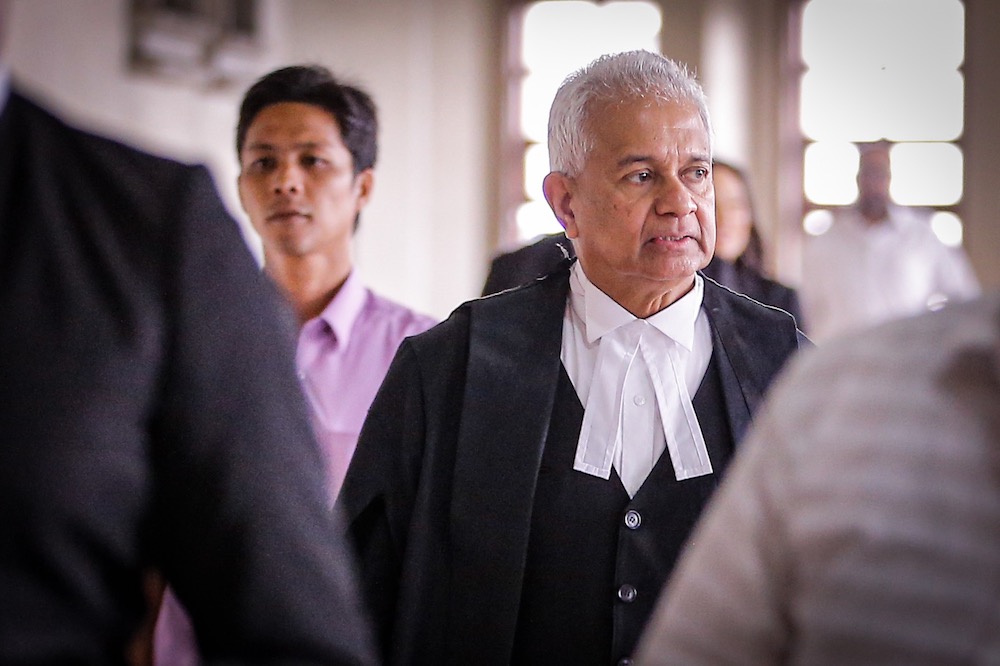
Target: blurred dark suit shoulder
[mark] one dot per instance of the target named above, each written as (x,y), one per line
(520,266)
(149,416)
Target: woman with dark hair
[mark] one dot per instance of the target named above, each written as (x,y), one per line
(739,255)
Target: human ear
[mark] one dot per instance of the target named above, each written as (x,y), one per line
(364,183)
(557,188)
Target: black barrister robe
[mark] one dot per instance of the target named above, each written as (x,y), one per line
(440,491)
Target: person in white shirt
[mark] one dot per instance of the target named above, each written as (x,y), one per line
(878,261)
(532,466)
(861,522)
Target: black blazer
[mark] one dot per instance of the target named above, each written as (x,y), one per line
(149,417)
(741,278)
(520,266)
(440,491)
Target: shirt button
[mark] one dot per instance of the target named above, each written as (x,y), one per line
(633,519)
(624,661)
(639,400)
(627,593)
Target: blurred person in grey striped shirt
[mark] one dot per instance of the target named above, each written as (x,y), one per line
(860,524)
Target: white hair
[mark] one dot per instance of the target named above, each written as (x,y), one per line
(614,78)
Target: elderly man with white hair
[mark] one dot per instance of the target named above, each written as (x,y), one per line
(531,467)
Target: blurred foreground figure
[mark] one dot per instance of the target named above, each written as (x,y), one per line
(862,524)
(150,417)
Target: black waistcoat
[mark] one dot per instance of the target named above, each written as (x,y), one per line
(596,559)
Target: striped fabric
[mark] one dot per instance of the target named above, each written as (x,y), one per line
(860,523)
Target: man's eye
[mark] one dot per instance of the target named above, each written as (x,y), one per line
(262,163)
(312,160)
(642,176)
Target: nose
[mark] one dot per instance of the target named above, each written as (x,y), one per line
(675,198)
(287,178)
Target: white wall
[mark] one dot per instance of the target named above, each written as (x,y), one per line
(74,56)
(423,238)
(725,75)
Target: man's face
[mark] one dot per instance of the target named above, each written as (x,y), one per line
(297,181)
(874,178)
(642,211)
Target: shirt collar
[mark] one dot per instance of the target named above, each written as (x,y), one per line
(343,309)
(601,314)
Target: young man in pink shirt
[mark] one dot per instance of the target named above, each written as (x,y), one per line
(307,146)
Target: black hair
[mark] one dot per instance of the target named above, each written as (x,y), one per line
(753,254)
(351,107)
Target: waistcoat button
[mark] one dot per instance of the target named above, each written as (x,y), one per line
(627,593)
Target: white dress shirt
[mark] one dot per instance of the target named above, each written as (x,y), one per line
(637,392)
(859,274)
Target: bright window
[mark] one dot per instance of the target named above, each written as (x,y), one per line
(883,69)
(550,50)
(926,174)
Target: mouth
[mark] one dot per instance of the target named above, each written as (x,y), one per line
(286,216)
(669,240)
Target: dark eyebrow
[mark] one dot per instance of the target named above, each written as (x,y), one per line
(308,145)
(258,146)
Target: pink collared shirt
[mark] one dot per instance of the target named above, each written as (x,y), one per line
(342,357)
